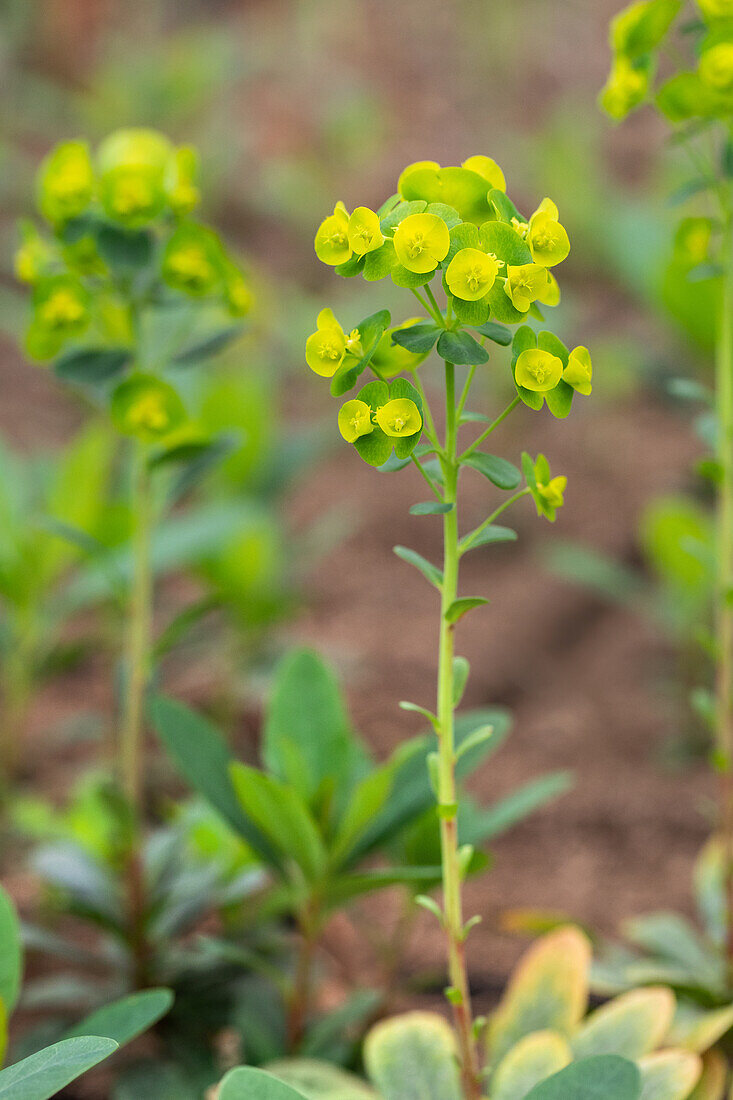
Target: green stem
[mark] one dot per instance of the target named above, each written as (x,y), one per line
(427,307)
(465,393)
(459,993)
(492,427)
(433,487)
(300,1000)
(469,540)
(724,608)
(137,672)
(438,315)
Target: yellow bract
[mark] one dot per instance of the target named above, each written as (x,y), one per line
(550,296)
(421,242)
(415,167)
(489,169)
(325,348)
(62,308)
(579,371)
(332,238)
(399,417)
(355,420)
(364,233)
(547,239)
(149,414)
(716,67)
(525,284)
(552,493)
(471,274)
(66,181)
(538,370)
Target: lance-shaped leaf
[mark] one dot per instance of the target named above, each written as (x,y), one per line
(127,1018)
(428,570)
(697,1029)
(44,1074)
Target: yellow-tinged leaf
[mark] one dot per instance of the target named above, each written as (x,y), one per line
(669,1074)
(548,990)
(630,1025)
(698,1029)
(711,1085)
(530,1061)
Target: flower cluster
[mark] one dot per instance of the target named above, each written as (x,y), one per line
(496,269)
(121,227)
(702,90)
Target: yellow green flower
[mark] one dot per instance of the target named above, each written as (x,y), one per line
(61,312)
(421,241)
(180,180)
(33,257)
(399,417)
(66,182)
(489,169)
(193,260)
(525,284)
(355,420)
(391,359)
(716,67)
(716,9)
(147,408)
(538,370)
(547,491)
(133,165)
(364,233)
(471,274)
(550,296)
(237,291)
(579,371)
(326,347)
(692,239)
(626,88)
(332,238)
(547,238)
(134,147)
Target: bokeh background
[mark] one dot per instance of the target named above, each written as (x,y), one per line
(294,104)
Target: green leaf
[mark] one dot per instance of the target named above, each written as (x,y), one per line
(684,96)
(371,330)
(379,263)
(203,759)
(499,471)
(86,366)
(449,214)
(413,1057)
(418,339)
(307,735)
(431,508)
(428,570)
(487,822)
(491,534)
(44,1074)
(501,307)
(282,815)
(531,1060)
(461,670)
(460,348)
(124,249)
(669,1074)
(560,400)
(11,953)
(464,235)
(462,606)
(638,30)
(90,886)
(245,1083)
(410,280)
(399,212)
(127,1018)
(606,1077)
(505,243)
(208,347)
(504,206)
(500,334)
(474,314)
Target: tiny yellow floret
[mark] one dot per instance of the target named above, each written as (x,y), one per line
(525,284)
(421,241)
(332,238)
(538,370)
(579,371)
(364,233)
(552,493)
(399,417)
(61,309)
(471,274)
(149,414)
(626,88)
(355,420)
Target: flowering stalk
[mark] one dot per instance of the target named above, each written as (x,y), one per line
(495,264)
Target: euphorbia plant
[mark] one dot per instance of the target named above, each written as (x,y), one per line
(455,227)
(697,102)
(128,290)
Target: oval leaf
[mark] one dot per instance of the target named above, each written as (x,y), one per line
(499,471)
(533,1059)
(127,1018)
(461,348)
(245,1083)
(631,1025)
(431,508)
(11,953)
(44,1074)
(413,1057)
(606,1077)
(461,606)
(89,365)
(669,1075)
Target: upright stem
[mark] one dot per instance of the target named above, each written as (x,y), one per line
(724,604)
(459,992)
(137,671)
(301,993)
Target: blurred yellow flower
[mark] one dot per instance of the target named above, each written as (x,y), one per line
(716,67)
(326,347)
